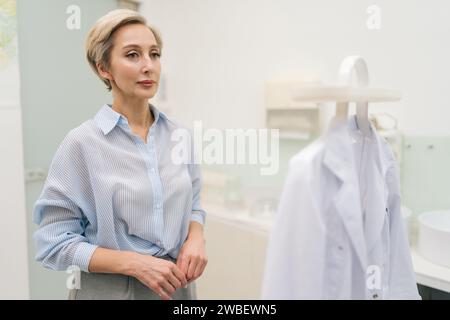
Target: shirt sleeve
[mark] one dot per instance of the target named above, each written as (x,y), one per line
(59,239)
(198,214)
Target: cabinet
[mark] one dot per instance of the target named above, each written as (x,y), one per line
(236,257)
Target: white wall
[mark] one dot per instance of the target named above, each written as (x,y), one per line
(13,235)
(14,281)
(218,54)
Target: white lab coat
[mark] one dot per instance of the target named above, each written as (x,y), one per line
(321,246)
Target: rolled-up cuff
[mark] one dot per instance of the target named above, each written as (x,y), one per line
(83,255)
(198,216)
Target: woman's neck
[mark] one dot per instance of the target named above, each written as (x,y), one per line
(136,111)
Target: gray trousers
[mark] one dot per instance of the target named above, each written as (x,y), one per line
(109,286)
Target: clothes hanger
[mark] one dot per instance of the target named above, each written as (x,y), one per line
(349,66)
(345,92)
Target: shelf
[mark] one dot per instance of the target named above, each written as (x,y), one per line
(295,136)
(344,94)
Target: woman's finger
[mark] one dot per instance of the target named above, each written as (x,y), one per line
(201,267)
(168,287)
(174,281)
(180,275)
(191,269)
(183,263)
(163,294)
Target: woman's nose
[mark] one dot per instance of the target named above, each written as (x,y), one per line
(148,64)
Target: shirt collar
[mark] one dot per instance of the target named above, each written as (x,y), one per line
(106,118)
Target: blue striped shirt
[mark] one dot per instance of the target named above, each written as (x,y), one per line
(106,187)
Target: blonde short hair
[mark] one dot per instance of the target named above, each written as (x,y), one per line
(99,41)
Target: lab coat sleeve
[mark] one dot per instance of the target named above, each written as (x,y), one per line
(402,280)
(59,239)
(295,259)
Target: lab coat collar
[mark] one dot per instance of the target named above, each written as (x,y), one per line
(339,159)
(384,159)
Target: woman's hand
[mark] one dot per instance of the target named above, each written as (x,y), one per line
(192,257)
(162,276)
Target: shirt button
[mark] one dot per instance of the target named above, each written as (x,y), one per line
(375,296)
(340,248)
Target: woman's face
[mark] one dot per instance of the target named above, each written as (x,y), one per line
(135,58)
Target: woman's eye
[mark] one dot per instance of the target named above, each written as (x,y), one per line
(155,55)
(132,55)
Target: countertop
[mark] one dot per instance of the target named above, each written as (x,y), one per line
(427,273)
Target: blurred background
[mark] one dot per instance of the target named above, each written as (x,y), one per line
(230,64)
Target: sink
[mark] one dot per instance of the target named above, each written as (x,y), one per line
(407,218)
(434,237)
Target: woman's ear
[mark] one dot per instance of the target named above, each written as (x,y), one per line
(103,72)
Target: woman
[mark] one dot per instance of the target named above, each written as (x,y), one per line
(114,203)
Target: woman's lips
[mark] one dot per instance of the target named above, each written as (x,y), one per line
(147,83)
